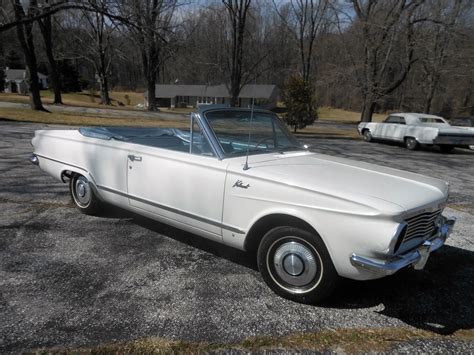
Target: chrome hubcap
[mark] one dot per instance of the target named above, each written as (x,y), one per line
(82,191)
(295,263)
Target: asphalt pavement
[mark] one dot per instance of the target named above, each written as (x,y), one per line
(70,280)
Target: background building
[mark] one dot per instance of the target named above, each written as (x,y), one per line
(194,95)
(16,81)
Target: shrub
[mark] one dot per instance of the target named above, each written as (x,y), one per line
(298,96)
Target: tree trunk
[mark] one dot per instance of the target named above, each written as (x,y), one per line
(368,109)
(103,80)
(46,31)
(237,12)
(432,84)
(151,61)
(234,92)
(152,106)
(104,89)
(25,37)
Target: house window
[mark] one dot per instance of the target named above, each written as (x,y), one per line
(205,100)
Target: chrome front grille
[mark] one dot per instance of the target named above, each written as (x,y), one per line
(422,225)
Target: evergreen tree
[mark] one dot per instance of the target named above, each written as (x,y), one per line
(14,61)
(69,77)
(298,97)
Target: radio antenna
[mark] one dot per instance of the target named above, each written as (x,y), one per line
(246,165)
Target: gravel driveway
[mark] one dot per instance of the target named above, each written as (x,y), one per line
(72,280)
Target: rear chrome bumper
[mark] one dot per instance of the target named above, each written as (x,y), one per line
(416,258)
(454,139)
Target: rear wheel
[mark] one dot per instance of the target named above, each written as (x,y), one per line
(411,143)
(83,195)
(296,265)
(367,136)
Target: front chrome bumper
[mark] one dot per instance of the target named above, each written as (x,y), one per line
(416,258)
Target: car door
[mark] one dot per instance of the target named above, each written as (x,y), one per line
(181,186)
(392,128)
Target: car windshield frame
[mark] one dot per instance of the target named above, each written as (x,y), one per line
(276,124)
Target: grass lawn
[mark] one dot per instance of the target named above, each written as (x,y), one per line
(339,115)
(84,99)
(27,115)
(66,118)
(341,340)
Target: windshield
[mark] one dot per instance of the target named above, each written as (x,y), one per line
(236,132)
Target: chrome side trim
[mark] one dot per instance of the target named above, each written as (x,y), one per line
(173,210)
(417,258)
(62,162)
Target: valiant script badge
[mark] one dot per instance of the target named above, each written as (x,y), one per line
(240,184)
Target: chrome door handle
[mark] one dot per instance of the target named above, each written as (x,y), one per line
(134,158)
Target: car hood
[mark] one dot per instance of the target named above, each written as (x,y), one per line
(391,190)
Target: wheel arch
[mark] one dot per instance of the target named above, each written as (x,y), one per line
(270,221)
(69,172)
(405,137)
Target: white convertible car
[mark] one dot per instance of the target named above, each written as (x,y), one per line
(239,177)
(415,129)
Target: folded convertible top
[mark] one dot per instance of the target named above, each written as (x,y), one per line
(127,133)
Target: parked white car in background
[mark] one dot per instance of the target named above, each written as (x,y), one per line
(415,129)
(239,177)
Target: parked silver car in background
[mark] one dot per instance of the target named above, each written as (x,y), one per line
(415,129)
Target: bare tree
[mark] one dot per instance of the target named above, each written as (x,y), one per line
(45,25)
(382,26)
(24,31)
(237,11)
(307,19)
(150,22)
(97,46)
(437,36)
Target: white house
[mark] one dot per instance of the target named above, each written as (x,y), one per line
(16,81)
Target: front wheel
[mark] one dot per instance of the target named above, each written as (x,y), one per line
(296,265)
(367,136)
(411,143)
(83,195)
